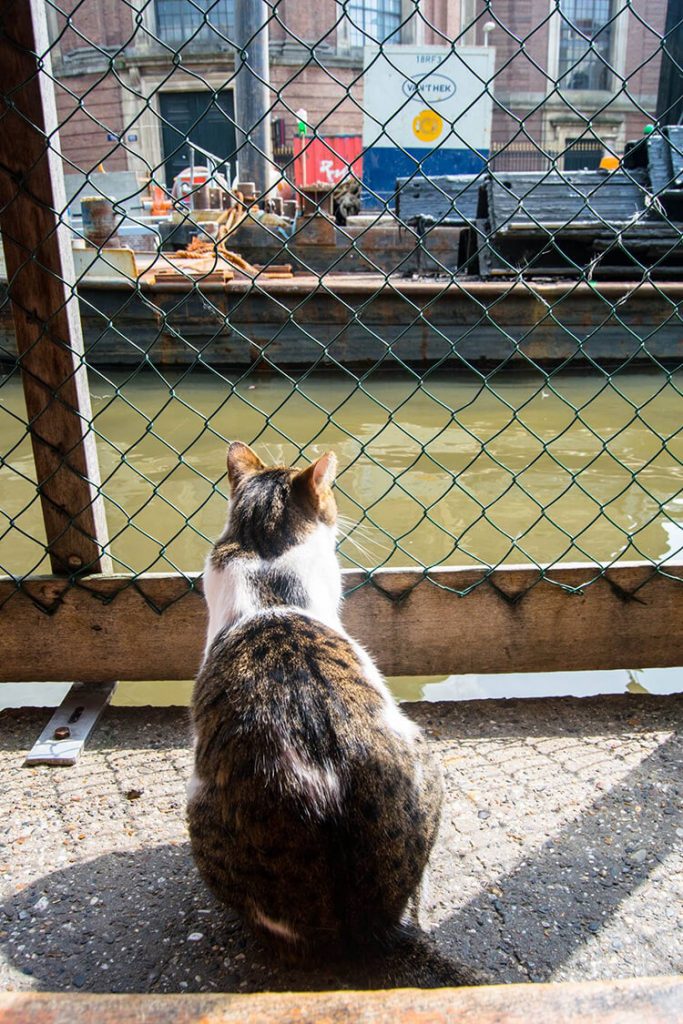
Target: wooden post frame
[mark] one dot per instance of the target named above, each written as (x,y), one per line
(41,280)
(110,628)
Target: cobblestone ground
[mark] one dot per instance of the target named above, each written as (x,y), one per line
(560,854)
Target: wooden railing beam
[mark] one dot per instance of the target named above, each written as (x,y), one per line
(108,628)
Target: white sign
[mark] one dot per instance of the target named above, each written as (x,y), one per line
(427,97)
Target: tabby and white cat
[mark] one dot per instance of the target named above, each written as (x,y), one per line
(314,803)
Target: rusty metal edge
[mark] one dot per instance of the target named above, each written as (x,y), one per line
(369,284)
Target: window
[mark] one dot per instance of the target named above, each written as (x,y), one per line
(204,21)
(585,44)
(376,21)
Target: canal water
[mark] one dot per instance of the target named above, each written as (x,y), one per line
(451,469)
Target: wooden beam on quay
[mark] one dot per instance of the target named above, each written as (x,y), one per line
(112,627)
(40,282)
(626,1001)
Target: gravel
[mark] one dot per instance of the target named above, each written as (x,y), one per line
(559,858)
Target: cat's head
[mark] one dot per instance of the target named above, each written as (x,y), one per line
(275,508)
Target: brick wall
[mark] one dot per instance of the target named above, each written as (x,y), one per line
(442,21)
(88,94)
(306,21)
(85,125)
(324,96)
(520,38)
(643,54)
(107,23)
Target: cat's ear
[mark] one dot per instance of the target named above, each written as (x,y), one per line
(242,462)
(318,478)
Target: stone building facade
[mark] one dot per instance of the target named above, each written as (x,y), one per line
(542,93)
(114,63)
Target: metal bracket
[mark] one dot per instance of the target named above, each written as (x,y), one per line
(65,735)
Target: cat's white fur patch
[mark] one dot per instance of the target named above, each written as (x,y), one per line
(420,899)
(392,716)
(194,787)
(400,724)
(315,565)
(276,927)
(320,786)
(231,596)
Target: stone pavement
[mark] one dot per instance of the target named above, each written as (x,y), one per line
(560,855)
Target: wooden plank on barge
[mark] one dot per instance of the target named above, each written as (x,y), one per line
(623,1001)
(509,621)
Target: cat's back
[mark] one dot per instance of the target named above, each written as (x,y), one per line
(317,796)
(284,712)
(282,670)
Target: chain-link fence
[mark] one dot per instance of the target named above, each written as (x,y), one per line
(442,239)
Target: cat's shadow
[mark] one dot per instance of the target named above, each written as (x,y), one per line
(143,921)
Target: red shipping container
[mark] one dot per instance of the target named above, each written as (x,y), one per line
(326,160)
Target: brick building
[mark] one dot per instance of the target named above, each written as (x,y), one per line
(125,79)
(545,91)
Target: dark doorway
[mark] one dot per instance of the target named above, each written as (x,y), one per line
(207,119)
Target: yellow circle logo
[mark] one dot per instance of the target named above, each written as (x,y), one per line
(427,126)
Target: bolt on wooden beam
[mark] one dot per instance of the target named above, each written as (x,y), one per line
(62,740)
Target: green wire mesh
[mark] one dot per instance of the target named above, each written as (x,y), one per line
(491,405)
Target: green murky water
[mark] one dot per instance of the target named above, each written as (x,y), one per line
(584,469)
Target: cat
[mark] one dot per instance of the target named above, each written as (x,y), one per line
(314,802)
(346,200)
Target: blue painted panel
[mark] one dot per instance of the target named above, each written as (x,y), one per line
(382,165)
